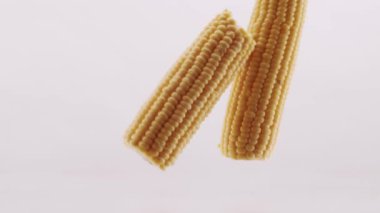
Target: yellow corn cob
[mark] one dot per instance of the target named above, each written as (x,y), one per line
(260,88)
(188,92)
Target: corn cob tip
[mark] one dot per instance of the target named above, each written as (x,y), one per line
(227,13)
(143,155)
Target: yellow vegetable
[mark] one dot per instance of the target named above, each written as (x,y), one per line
(260,89)
(189,91)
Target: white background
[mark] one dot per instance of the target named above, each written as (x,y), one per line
(74,73)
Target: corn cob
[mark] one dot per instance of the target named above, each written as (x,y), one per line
(257,99)
(187,94)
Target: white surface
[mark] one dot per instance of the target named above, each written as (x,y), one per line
(73,74)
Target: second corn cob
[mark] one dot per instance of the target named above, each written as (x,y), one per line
(189,91)
(260,89)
